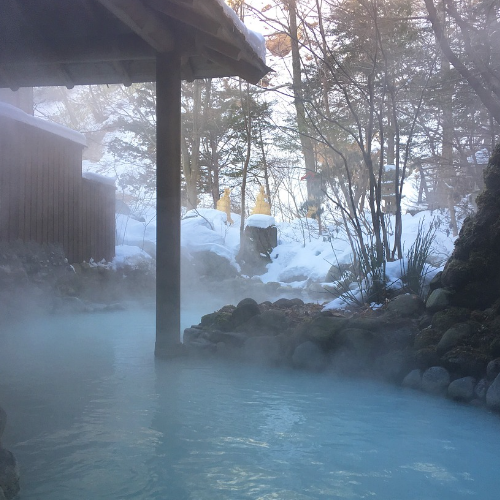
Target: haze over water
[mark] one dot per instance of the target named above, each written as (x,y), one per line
(93,415)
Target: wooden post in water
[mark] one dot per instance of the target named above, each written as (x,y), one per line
(168,203)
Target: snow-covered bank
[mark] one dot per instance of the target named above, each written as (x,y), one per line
(303,258)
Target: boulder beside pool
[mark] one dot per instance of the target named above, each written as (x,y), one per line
(9,473)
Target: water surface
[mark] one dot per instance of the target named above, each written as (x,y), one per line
(92,415)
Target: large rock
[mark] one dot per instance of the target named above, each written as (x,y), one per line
(246,309)
(392,366)
(465,360)
(9,474)
(323,330)
(413,380)
(438,300)
(493,369)
(435,380)
(462,389)
(426,338)
(493,395)
(442,320)
(284,303)
(360,343)
(453,336)
(267,323)
(309,356)
(212,266)
(481,389)
(406,305)
(263,350)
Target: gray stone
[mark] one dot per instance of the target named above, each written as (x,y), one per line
(435,380)
(191,334)
(233,339)
(413,380)
(462,389)
(212,266)
(452,337)
(200,346)
(393,365)
(323,330)
(336,272)
(398,337)
(436,281)
(345,362)
(493,369)
(406,305)
(481,389)
(493,395)
(360,342)
(288,303)
(9,474)
(263,349)
(438,300)
(269,322)
(246,309)
(309,356)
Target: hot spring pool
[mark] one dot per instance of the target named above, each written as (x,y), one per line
(93,416)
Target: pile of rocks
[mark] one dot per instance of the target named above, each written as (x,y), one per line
(404,342)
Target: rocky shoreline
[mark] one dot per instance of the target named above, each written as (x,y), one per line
(406,342)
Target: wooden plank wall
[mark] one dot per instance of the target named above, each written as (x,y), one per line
(44,198)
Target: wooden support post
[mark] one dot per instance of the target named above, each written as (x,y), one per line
(168,211)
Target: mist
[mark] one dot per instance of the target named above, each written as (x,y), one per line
(92,414)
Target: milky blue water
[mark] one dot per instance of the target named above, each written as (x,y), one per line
(92,415)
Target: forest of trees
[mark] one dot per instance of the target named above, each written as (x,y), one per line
(364,94)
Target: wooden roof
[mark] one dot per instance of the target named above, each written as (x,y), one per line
(75,42)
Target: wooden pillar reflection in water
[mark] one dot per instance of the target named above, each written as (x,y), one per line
(168,211)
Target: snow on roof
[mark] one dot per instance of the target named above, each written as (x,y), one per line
(91,176)
(256,41)
(13,113)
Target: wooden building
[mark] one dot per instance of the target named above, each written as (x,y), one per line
(43,196)
(62,42)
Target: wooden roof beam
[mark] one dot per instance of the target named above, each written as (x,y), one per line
(121,69)
(127,47)
(143,22)
(187,70)
(65,76)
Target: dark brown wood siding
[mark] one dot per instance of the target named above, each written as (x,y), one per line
(44,198)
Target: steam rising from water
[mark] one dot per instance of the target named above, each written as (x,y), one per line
(93,415)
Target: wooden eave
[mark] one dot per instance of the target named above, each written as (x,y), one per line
(75,42)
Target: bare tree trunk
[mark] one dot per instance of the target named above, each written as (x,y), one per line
(191,163)
(248,126)
(446,170)
(305,140)
(264,164)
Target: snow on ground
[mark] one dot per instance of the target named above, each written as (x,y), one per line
(301,257)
